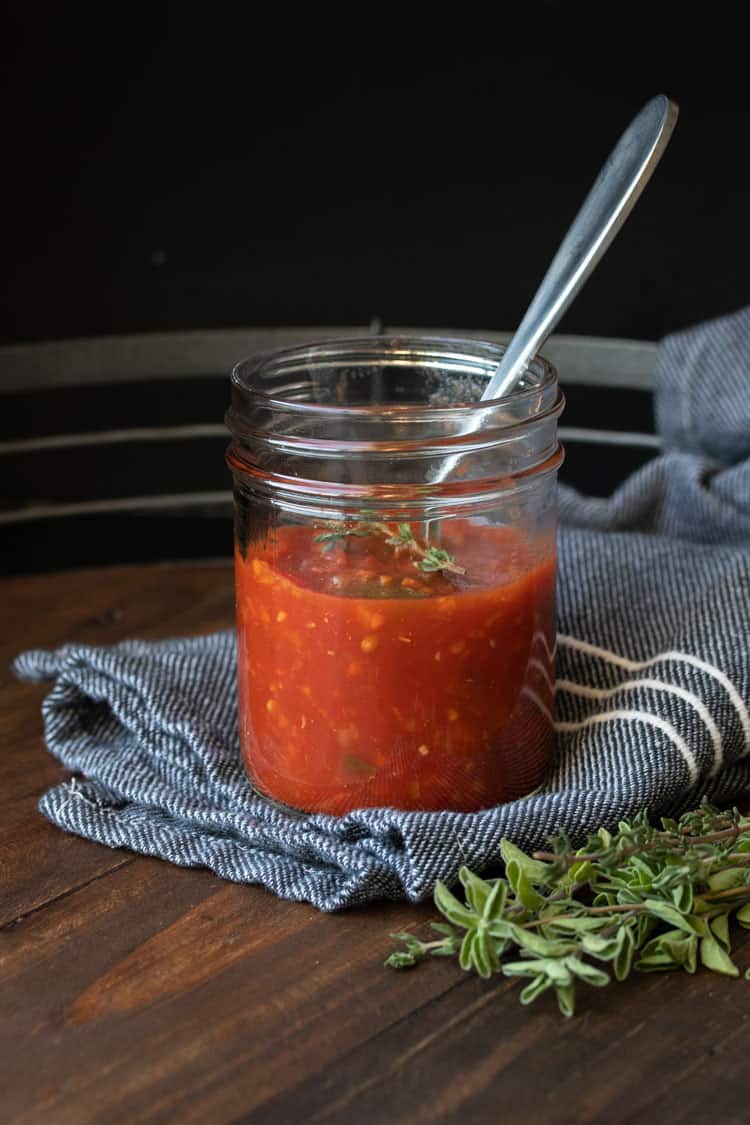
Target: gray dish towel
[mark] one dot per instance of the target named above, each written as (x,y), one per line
(652,702)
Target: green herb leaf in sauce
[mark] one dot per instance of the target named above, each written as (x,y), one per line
(426,559)
(357,767)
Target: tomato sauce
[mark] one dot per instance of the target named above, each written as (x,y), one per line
(364,682)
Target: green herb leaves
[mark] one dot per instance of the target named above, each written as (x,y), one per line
(339,532)
(401,538)
(645,898)
(415,949)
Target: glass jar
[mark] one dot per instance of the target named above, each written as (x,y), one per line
(395,571)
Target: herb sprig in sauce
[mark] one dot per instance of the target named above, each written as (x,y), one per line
(427,559)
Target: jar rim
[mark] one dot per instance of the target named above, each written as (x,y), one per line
(441,350)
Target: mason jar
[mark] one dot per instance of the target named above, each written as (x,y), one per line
(395,574)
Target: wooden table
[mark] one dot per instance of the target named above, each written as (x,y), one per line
(132,990)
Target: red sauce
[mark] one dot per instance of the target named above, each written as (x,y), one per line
(364,682)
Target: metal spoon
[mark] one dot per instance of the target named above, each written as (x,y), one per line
(628,169)
(622,179)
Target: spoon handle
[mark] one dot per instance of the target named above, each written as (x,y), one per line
(622,179)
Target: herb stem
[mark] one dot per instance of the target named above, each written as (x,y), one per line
(711,896)
(585,910)
(630,908)
(712,837)
(663,839)
(609,931)
(735,859)
(401,538)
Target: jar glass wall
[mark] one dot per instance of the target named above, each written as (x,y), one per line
(395,570)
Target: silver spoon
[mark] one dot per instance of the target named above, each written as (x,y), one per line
(622,179)
(628,169)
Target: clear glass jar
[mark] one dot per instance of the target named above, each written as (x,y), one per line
(395,570)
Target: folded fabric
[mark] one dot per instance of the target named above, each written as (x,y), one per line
(652,696)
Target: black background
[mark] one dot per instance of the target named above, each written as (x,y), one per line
(220,165)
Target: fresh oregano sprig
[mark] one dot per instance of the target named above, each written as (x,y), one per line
(644,898)
(428,559)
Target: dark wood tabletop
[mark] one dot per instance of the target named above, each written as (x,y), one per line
(135,991)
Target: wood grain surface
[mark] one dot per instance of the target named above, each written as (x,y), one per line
(135,991)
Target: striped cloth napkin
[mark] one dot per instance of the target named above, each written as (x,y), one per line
(653,660)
